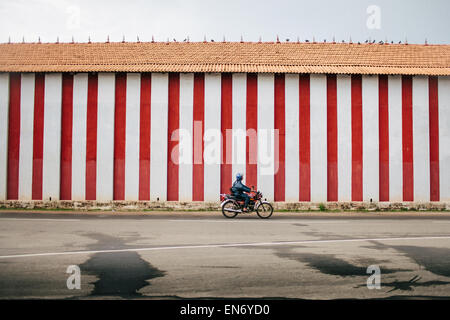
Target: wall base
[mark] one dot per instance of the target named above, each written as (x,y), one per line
(210,206)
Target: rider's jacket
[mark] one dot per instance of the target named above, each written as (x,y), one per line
(239,188)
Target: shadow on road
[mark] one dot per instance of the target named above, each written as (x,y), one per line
(120,274)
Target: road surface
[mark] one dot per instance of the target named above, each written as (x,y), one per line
(188,256)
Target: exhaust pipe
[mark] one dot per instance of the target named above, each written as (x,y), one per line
(232,210)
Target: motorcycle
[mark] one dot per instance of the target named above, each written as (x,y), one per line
(231,206)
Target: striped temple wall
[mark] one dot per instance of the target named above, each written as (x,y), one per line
(138,136)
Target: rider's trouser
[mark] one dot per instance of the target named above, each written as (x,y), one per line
(244,197)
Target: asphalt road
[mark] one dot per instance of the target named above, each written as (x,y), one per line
(187,256)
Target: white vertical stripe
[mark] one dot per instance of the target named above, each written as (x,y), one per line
(212,144)
(344,129)
(186,135)
(26,136)
(105,136)
(239,93)
(158,143)
(4,112)
(370,138)
(421,139)
(52,136)
(395,139)
(266,136)
(444,137)
(318,94)
(292,157)
(80,90)
(132,126)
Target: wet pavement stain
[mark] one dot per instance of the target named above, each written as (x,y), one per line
(433,259)
(369,261)
(219,267)
(326,263)
(375,245)
(122,274)
(119,273)
(104,241)
(407,285)
(300,225)
(318,235)
(330,264)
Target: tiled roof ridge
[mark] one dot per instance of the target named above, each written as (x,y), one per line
(270,57)
(237,64)
(229,42)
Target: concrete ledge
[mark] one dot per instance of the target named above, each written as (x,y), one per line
(213,206)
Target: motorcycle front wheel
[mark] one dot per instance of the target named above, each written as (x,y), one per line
(227,206)
(264,210)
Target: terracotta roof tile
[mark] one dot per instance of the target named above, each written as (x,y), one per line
(341,58)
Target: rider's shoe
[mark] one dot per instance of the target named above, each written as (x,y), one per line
(245,210)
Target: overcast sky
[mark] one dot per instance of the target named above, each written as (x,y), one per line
(395,20)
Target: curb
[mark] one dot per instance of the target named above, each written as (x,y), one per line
(142,206)
(217,214)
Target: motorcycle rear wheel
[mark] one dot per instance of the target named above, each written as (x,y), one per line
(264,210)
(230,204)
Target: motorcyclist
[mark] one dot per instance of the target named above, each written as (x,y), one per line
(238,190)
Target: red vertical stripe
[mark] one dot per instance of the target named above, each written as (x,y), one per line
(434,138)
(383,120)
(38,136)
(198,144)
(226,171)
(357,146)
(332,135)
(304,132)
(407,138)
(14,136)
(173,126)
(252,129)
(120,114)
(91,137)
(279,177)
(66,137)
(144,137)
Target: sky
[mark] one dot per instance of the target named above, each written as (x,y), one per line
(252,20)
